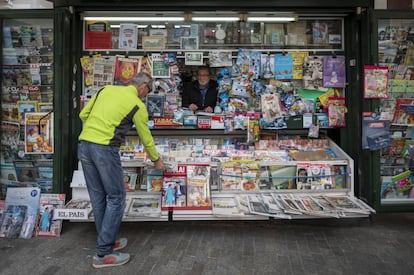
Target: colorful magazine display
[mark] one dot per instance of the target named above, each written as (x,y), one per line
(21,210)
(47,224)
(198,186)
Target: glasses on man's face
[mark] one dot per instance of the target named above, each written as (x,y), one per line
(204,75)
(149,86)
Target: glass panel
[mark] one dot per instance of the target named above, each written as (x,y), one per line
(26,103)
(396,50)
(307,33)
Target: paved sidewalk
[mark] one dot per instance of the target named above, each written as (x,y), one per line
(383,244)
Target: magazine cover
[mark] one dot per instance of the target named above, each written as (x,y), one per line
(155,105)
(226,207)
(10,133)
(346,204)
(375,82)
(174,188)
(268,66)
(145,205)
(125,69)
(257,206)
(103,72)
(303,180)
(287,203)
(160,66)
(320,176)
(21,212)
(198,186)
(47,224)
(313,73)
(283,66)
(130,180)
(128,36)
(154,180)
(243,203)
(13,218)
(220,58)
(38,133)
(230,177)
(334,71)
(401,114)
(326,205)
(273,207)
(298,60)
(320,33)
(249,179)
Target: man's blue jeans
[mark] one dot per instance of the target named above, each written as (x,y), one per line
(103,172)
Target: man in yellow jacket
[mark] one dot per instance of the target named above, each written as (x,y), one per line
(107,118)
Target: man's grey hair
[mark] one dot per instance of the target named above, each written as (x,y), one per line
(141,78)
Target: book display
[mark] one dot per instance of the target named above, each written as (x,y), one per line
(27,131)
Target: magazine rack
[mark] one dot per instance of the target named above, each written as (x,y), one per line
(147,203)
(218,43)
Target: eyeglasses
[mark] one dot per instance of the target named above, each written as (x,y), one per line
(204,75)
(149,86)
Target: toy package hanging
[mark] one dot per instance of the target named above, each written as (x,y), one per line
(336,112)
(375,82)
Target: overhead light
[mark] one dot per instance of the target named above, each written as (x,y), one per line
(182,26)
(215,16)
(138,26)
(158,26)
(271,17)
(135,18)
(215,19)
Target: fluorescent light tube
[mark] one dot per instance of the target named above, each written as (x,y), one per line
(140,18)
(215,18)
(271,19)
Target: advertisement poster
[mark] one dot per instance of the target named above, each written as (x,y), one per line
(38,137)
(128,36)
(125,69)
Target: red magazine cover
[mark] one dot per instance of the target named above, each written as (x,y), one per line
(125,69)
(174,189)
(403,112)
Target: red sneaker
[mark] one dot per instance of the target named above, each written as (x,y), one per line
(120,243)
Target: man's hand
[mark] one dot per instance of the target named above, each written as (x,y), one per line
(159,164)
(193,107)
(208,109)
